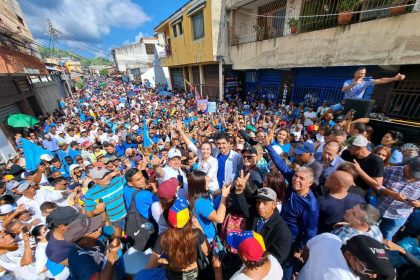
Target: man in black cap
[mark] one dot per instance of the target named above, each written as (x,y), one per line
(87,258)
(362,257)
(271,225)
(58,248)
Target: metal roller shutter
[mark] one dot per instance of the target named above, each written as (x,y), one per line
(8,110)
(211,79)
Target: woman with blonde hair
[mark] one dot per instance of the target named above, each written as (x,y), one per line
(283,140)
(384,153)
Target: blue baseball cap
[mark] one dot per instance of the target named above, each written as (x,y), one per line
(305,148)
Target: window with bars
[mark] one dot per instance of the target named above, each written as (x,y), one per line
(272,25)
(181,31)
(150,48)
(198,25)
(174,30)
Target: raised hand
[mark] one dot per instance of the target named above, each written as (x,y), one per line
(226,189)
(240,183)
(399,77)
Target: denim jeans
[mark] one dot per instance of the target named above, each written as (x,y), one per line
(389,227)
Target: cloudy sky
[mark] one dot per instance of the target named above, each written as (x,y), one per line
(93,27)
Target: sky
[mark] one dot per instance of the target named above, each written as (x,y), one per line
(92,28)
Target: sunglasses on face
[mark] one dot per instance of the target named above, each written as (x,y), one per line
(248,157)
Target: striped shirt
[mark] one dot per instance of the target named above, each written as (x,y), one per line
(346,232)
(111,195)
(395,180)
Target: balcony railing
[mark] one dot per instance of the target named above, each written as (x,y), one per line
(278,19)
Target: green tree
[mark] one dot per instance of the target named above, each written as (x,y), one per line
(104,72)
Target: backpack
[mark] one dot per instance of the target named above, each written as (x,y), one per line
(232,223)
(139,230)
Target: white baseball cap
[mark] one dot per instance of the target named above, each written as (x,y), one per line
(6,209)
(46,157)
(73,166)
(174,153)
(359,141)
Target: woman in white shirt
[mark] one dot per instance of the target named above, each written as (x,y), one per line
(206,162)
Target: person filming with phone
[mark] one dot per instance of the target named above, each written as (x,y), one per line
(399,196)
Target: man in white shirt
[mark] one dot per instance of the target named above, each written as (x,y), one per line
(258,263)
(361,258)
(33,197)
(71,136)
(172,170)
(102,136)
(310,117)
(322,109)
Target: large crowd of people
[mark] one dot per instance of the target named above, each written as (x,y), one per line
(121,183)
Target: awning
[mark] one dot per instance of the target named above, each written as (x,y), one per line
(196,7)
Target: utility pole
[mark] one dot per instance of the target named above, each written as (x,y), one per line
(53,37)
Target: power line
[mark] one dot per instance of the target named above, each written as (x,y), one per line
(67,37)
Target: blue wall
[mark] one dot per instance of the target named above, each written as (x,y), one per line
(318,84)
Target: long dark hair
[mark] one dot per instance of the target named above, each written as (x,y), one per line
(166,204)
(196,186)
(276,182)
(397,136)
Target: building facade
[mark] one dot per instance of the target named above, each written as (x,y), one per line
(140,62)
(300,45)
(26,86)
(195,47)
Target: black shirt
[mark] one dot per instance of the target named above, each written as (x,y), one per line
(372,165)
(331,209)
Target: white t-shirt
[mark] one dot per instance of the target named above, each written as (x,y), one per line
(173,173)
(275,273)
(308,116)
(326,260)
(157,214)
(10,261)
(209,167)
(42,195)
(40,257)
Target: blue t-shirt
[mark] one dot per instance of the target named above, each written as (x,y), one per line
(62,170)
(358,90)
(84,263)
(203,207)
(74,153)
(285,148)
(221,161)
(111,195)
(144,200)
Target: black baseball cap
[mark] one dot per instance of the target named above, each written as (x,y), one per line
(250,150)
(62,216)
(373,254)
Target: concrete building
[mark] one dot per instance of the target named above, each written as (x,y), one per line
(26,86)
(95,69)
(140,62)
(299,44)
(195,46)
